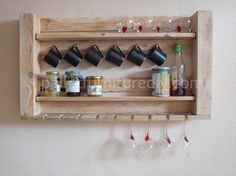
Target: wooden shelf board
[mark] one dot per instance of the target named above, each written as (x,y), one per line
(93,117)
(72,36)
(115,99)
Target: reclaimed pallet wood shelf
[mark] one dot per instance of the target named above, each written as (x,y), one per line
(73,36)
(91,117)
(125,100)
(117,99)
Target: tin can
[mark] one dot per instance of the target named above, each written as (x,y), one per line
(161,81)
(94,85)
(53,87)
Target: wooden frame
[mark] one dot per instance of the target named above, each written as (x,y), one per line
(38,34)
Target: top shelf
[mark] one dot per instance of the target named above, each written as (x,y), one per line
(72,36)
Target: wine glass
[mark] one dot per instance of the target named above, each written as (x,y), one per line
(150,25)
(119,26)
(188,25)
(170,24)
(183,147)
(159,27)
(132,140)
(147,150)
(166,146)
(130,24)
(147,137)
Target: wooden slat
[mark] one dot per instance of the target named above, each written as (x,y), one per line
(139,107)
(202,57)
(141,117)
(88,117)
(106,24)
(198,117)
(29,66)
(176,117)
(124,45)
(74,36)
(158,117)
(116,99)
(123,117)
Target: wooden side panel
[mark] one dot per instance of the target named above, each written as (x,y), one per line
(202,61)
(29,66)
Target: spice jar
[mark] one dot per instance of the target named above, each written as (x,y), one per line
(94,85)
(72,83)
(53,87)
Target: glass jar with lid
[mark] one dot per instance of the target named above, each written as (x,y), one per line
(72,83)
(94,85)
(53,86)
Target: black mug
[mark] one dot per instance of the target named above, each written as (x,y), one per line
(53,56)
(73,56)
(115,55)
(94,55)
(136,55)
(156,55)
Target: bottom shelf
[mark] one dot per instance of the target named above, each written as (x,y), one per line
(116,117)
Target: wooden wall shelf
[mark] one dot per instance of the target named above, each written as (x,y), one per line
(92,117)
(38,34)
(117,99)
(75,36)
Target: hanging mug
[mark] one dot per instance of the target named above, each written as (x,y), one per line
(53,56)
(115,55)
(156,55)
(136,55)
(94,55)
(73,56)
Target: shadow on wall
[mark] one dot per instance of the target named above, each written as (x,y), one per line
(9,71)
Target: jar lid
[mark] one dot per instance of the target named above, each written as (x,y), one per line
(94,77)
(160,68)
(52,73)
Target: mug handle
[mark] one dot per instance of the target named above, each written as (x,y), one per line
(57,51)
(136,46)
(76,49)
(118,49)
(159,48)
(99,52)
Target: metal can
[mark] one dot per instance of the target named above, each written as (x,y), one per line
(53,87)
(161,81)
(94,85)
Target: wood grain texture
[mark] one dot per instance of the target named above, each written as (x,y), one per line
(74,36)
(93,117)
(202,61)
(159,107)
(102,25)
(29,66)
(116,99)
(115,104)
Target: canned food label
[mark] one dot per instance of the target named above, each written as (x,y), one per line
(73,86)
(161,82)
(94,90)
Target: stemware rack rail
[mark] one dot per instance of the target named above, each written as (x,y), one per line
(119,117)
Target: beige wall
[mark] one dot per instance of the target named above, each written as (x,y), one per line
(68,149)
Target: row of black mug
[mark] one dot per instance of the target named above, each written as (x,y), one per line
(114,55)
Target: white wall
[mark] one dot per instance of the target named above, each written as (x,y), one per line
(69,149)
